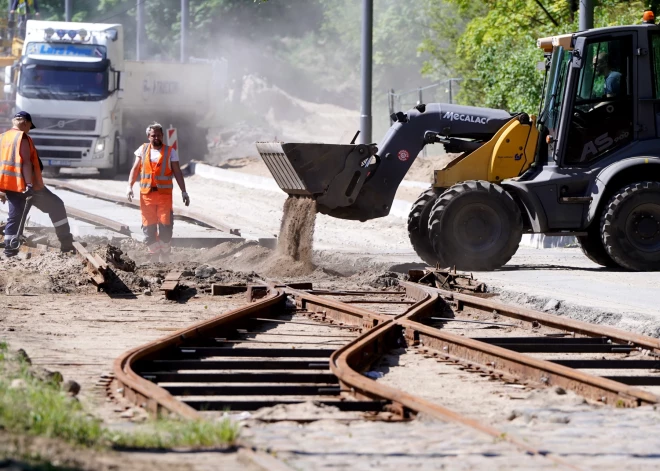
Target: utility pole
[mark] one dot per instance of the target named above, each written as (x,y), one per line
(367,52)
(185,8)
(141,32)
(67,10)
(586,18)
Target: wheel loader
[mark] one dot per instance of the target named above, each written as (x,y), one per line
(588,165)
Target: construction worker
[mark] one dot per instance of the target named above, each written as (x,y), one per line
(20,177)
(156,163)
(25,9)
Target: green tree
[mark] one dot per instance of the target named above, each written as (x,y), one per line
(495,49)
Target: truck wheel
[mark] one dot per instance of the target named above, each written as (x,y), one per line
(593,248)
(418,225)
(630,226)
(475,225)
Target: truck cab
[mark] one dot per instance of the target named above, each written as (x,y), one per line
(69,79)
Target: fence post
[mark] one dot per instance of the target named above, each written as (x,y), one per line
(419,102)
(390,103)
(450,92)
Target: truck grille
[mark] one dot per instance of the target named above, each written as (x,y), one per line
(56,142)
(64,124)
(61,154)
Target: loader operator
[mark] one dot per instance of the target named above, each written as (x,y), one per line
(156,163)
(20,178)
(612,77)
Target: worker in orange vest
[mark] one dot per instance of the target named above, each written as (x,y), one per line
(20,177)
(156,164)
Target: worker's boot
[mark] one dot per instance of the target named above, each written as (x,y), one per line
(165,251)
(66,240)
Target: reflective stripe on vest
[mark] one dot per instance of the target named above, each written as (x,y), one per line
(148,179)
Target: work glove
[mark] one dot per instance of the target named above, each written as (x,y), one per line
(28,192)
(129,194)
(186,198)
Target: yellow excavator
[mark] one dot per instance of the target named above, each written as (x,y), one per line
(588,165)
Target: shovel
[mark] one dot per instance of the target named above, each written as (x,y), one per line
(16,242)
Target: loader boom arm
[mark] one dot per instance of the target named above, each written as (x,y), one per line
(359,181)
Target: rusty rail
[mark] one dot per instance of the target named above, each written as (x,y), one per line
(549,320)
(382,332)
(151,397)
(183,213)
(502,361)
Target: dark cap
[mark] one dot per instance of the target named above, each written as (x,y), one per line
(26,116)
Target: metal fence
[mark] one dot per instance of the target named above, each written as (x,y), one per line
(441,92)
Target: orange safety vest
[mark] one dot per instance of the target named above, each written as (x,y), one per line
(159,176)
(11,163)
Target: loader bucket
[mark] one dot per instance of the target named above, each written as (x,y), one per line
(304,169)
(338,176)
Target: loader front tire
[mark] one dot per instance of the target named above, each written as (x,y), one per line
(475,225)
(418,225)
(630,226)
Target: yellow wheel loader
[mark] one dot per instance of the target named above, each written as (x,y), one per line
(588,165)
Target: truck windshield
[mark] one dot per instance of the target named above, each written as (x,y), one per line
(57,83)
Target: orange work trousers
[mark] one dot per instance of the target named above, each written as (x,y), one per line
(157,221)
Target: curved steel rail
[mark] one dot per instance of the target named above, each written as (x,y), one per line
(155,399)
(382,332)
(540,371)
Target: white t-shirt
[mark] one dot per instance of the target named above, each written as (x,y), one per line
(155,154)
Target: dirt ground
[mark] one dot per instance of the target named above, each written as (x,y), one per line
(58,317)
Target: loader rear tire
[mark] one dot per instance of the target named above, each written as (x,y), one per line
(593,248)
(630,226)
(475,225)
(418,225)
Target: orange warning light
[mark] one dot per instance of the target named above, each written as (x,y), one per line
(648,18)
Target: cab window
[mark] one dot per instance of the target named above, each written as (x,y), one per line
(655,51)
(602,115)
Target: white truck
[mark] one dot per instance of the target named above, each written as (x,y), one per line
(91,106)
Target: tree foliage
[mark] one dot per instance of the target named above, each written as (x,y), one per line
(491,44)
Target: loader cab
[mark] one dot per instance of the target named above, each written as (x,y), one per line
(591,110)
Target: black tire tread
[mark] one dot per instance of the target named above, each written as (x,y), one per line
(418,228)
(490,190)
(608,227)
